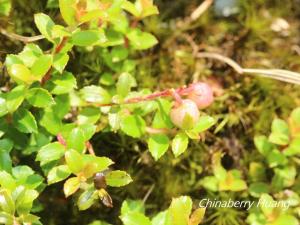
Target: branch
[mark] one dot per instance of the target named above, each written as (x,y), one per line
(277,74)
(57,50)
(21,38)
(201,9)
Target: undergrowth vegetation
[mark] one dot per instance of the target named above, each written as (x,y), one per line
(108,115)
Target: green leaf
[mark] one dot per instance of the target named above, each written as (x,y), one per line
(59,31)
(107,79)
(6,145)
(62,105)
(146,8)
(263,145)
(45,24)
(259,188)
(15,97)
(125,83)
(58,173)
(87,199)
(67,10)
(293,148)
(267,200)
(21,74)
(41,66)
(88,130)
(5,7)
(285,219)
(88,115)
(50,152)
(51,122)
(88,37)
(132,206)
(180,143)
(158,144)
(135,218)
(130,7)
(180,210)
(95,94)
(76,140)
(218,170)
(295,116)
(161,218)
(3,107)
(62,83)
(60,61)
(141,40)
(24,121)
(74,161)
(283,178)
(5,161)
(7,181)
(118,178)
(210,183)
(6,218)
(24,202)
(71,186)
(133,125)
(280,132)
(29,218)
(119,53)
(276,158)
(29,55)
(102,162)
(232,183)
(205,122)
(21,173)
(39,97)
(257,171)
(6,202)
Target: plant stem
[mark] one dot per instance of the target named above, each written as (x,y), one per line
(165,93)
(57,50)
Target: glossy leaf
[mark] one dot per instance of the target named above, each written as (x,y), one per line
(51,152)
(133,125)
(141,40)
(118,178)
(76,140)
(158,144)
(45,24)
(180,144)
(74,161)
(39,97)
(71,186)
(24,121)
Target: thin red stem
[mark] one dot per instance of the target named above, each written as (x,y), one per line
(165,93)
(57,50)
(61,140)
(90,148)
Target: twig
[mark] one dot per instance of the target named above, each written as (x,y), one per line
(148,193)
(21,38)
(222,58)
(152,130)
(165,93)
(277,74)
(57,50)
(90,148)
(201,9)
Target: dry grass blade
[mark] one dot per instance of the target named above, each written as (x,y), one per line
(277,74)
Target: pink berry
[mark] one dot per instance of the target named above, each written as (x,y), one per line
(185,115)
(201,94)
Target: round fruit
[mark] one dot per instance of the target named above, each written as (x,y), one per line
(185,115)
(201,94)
